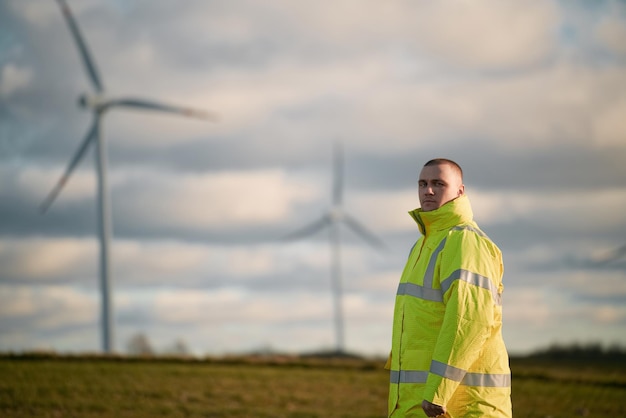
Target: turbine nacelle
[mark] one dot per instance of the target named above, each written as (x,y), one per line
(95,102)
(336,214)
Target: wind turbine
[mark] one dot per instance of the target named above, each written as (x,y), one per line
(332,219)
(98,103)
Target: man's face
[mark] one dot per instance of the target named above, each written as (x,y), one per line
(439,184)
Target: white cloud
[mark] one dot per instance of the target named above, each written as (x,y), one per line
(193,264)
(43,259)
(497,34)
(516,303)
(56,318)
(609,125)
(490,34)
(560,104)
(382,211)
(609,314)
(384,284)
(566,209)
(520,108)
(501,207)
(554,105)
(611,32)
(236,306)
(211,199)
(14,79)
(595,284)
(17,301)
(38,182)
(34,13)
(48,307)
(264,316)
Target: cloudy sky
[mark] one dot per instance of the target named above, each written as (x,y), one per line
(529,97)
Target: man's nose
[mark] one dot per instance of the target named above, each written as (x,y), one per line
(429,190)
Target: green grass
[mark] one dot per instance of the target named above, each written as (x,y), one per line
(279,387)
(565,388)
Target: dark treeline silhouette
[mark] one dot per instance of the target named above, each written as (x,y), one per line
(581,352)
(140,348)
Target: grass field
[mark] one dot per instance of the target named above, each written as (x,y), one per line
(48,386)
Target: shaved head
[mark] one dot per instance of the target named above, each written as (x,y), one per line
(440,161)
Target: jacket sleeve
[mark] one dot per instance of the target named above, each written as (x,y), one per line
(470,271)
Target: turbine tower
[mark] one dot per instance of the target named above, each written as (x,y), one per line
(98,104)
(332,219)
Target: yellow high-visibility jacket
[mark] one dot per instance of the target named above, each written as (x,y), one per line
(447,345)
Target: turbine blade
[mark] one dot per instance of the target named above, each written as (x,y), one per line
(337,174)
(357,227)
(149,105)
(309,229)
(88,62)
(68,171)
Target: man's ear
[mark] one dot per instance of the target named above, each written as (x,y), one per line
(461,190)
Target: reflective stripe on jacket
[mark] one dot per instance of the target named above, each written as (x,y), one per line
(447,344)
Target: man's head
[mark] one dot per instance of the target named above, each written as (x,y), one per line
(441,180)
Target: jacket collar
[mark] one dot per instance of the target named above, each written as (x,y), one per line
(453,213)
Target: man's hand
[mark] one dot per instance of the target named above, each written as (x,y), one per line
(432,410)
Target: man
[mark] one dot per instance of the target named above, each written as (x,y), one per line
(448,357)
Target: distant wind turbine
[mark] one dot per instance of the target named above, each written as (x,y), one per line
(98,103)
(331,219)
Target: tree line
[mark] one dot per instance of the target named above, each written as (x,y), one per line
(577,351)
